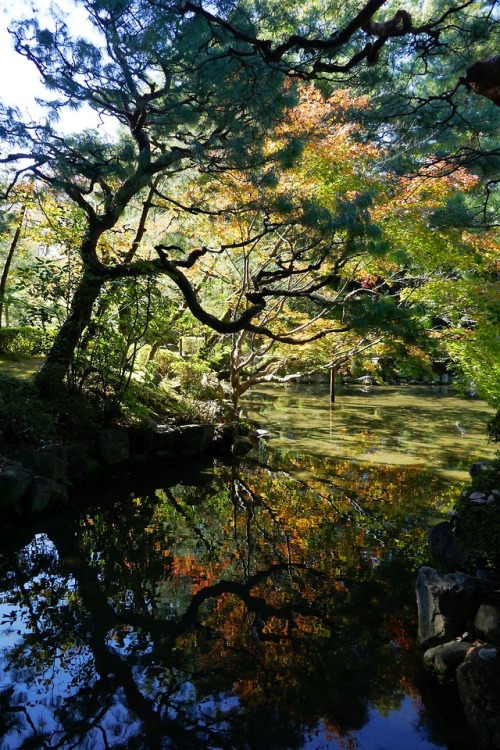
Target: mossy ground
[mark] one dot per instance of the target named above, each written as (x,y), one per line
(21,367)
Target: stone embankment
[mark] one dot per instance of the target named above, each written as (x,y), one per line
(33,480)
(459,627)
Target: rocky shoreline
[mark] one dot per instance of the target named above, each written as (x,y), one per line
(459,625)
(35,480)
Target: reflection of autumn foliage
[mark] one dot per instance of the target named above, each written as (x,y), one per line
(293,596)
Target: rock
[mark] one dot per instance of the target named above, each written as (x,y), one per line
(194,439)
(112,445)
(478,680)
(141,439)
(15,481)
(242,445)
(446,605)
(49,461)
(488,582)
(496,494)
(81,466)
(477,498)
(491,500)
(45,493)
(444,659)
(487,623)
(165,438)
(478,467)
(444,546)
(224,436)
(366,380)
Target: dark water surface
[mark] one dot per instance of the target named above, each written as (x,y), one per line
(267,604)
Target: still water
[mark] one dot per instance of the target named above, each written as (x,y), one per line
(263,604)
(430,427)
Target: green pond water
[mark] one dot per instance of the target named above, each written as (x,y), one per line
(264,603)
(429,427)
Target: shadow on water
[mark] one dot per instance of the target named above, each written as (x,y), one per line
(265,604)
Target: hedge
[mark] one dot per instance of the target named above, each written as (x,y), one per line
(26,341)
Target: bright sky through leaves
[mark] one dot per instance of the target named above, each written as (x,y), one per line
(20,82)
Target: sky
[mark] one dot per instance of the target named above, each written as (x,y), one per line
(19,80)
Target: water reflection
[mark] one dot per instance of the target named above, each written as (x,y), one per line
(388,425)
(251,610)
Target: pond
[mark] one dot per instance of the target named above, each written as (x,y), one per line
(416,425)
(265,603)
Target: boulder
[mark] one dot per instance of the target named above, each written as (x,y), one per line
(112,445)
(165,439)
(444,659)
(478,680)
(49,462)
(444,546)
(141,439)
(81,466)
(45,493)
(487,623)
(242,445)
(15,481)
(446,605)
(478,467)
(225,435)
(477,498)
(194,439)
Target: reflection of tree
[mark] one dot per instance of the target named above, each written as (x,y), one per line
(238,614)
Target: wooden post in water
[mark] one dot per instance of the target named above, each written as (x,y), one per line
(332,385)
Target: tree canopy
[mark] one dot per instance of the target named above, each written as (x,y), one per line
(198,92)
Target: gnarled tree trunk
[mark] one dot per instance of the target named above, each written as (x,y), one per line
(50,377)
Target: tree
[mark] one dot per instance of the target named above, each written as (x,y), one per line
(196,91)
(14,220)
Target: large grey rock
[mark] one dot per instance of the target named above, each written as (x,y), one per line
(478,680)
(45,493)
(446,605)
(49,461)
(487,623)
(444,659)
(479,467)
(15,481)
(195,439)
(112,445)
(141,439)
(444,546)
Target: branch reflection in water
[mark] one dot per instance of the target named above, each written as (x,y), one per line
(265,604)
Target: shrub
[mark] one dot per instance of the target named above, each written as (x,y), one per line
(494,428)
(25,341)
